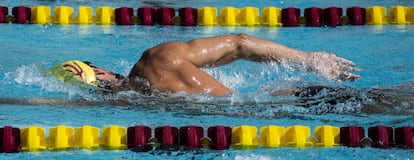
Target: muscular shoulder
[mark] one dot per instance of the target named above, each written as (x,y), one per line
(165,52)
(162,57)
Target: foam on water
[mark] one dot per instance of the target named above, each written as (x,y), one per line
(34,76)
(256,102)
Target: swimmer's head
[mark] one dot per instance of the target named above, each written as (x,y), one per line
(106,79)
(83,71)
(74,71)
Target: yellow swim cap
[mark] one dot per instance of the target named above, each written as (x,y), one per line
(75,70)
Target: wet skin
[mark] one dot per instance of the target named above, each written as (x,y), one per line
(175,66)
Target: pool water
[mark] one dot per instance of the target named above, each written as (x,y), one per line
(384,53)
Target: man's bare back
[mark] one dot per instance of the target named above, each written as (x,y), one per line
(175,66)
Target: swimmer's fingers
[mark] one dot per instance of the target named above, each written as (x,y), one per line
(345,61)
(348,76)
(349,68)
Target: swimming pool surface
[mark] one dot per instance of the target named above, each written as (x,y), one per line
(383,52)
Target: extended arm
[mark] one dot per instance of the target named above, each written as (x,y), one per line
(220,50)
(175,66)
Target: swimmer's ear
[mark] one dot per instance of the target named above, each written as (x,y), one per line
(118,76)
(89,64)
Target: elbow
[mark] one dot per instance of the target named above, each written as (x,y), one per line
(243,37)
(242,42)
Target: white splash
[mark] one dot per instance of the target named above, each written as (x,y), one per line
(35,76)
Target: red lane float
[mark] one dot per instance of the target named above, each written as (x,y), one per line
(351,136)
(190,136)
(152,16)
(381,136)
(167,137)
(138,138)
(404,137)
(21,14)
(290,17)
(147,15)
(356,15)
(314,16)
(318,17)
(9,139)
(4,11)
(165,15)
(332,16)
(188,16)
(220,137)
(123,16)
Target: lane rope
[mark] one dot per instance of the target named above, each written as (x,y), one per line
(210,16)
(143,138)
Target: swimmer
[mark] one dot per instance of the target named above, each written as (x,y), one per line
(175,66)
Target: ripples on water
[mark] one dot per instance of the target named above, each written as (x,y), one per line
(313,99)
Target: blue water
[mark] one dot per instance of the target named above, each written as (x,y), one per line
(384,53)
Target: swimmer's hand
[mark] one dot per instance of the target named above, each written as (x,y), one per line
(331,66)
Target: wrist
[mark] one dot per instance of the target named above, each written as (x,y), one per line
(309,61)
